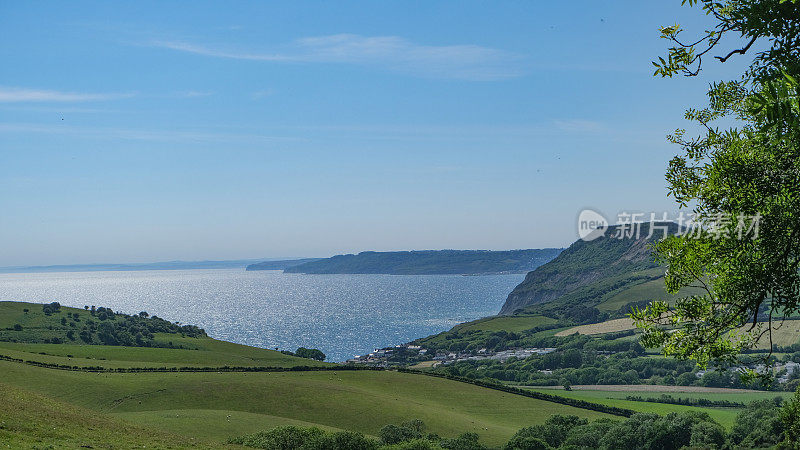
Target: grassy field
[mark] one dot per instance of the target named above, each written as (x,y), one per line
(785,334)
(650,290)
(29,420)
(505,323)
(207,352)
(197,352)
(725,416)
(361,401)
(180,409)
(609,326)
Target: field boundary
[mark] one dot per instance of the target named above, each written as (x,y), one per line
(577,403)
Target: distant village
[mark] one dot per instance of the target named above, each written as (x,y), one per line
(401,354)
(406,354)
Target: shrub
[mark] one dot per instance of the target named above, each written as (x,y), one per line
(465,441)
(759,425)
(394,434)
(291,438)
(707,435)
(790,415)
(310,353)
(51,308)
(280,438)
(589,435)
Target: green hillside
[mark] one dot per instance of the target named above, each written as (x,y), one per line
(594,281)
(607,259)
(431,262)
(30,420)
(355,400)
(174,346)
(176,409)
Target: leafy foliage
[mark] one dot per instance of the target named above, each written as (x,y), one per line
(743,185)
(773,21)
(311,438)
(310,353)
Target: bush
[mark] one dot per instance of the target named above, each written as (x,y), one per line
(310,353)
(51,308)
(343,440)
(17,327)
(707,435)
(553,432)
(526,442)
(759,425)
(589,435)
(415,444)
(466,441)
(394,434)
(280,438)
(291,438)
(790,415)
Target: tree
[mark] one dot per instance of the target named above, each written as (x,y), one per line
(465,441)
(707,435)
(394,434)
(790,415)
(742,185)
(51,308)
(759,425)
(310,353)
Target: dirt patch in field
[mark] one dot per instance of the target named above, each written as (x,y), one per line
(646,388)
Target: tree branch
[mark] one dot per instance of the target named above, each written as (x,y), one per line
(740,51)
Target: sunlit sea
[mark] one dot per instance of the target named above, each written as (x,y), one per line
(342,315)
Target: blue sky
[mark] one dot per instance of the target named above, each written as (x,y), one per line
(145,131)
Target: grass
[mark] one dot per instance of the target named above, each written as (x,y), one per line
(609,326)
(196,352)
(360,401)
(185,422)
(505,323)
(784,335)
(29,420)
(649,290)
(207,352)
(725,416)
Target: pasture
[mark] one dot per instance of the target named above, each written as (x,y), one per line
(354,400)
(616,396)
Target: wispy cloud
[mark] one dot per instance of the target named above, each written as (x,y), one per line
(22,95)
(171,135)
(468,62)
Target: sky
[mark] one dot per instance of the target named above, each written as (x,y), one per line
(150,131)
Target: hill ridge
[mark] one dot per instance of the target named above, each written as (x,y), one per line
(430,262)
(585,263)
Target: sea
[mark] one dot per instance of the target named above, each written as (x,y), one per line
(342,315)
